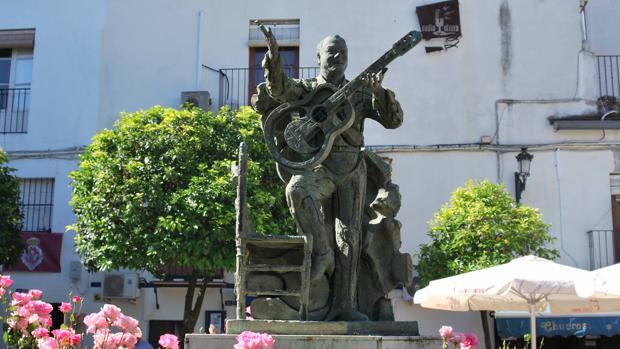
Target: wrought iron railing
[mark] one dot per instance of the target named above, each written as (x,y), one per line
(174,271)
(237,85)
(601,244)
(608,76)
(14,106)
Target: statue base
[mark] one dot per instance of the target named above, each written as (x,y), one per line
(218,341)
(366,328)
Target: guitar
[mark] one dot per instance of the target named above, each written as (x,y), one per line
(300,134)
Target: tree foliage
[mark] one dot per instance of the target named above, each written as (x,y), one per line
(481,226)
(10,216)
(157,189)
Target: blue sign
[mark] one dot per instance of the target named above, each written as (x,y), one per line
(560,326)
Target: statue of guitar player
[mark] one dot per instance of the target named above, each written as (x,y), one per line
(317,139)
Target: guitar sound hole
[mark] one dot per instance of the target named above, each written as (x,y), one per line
(319,114)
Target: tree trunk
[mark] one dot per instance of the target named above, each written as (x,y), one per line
(191,309)
(484,316)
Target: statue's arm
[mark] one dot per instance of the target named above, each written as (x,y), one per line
(278,85)
(387,110)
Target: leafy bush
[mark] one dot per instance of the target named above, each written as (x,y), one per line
(10,216)
(157,190)
(481,226)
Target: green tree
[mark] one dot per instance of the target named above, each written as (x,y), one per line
(481,226)
(10,216)
(157,189)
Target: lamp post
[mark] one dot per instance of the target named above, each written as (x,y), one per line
(525,160)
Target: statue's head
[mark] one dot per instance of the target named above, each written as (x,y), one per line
(331,54)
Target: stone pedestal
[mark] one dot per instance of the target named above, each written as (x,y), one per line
(366,328)
(223,341)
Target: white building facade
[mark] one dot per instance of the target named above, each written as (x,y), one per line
(525,73)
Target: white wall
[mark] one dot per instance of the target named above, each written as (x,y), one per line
(94,59)
(66,70)
(603,27)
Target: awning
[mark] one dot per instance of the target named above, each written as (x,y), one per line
(20,38)
(560,326)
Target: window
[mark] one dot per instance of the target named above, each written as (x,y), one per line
(290,63)
(37,196)
(16,53)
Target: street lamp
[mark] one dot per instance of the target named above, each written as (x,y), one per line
(525,160)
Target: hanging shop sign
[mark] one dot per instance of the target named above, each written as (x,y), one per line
(439,20)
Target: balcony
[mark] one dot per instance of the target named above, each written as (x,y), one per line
(237,85)
(601,244)
(173,272)
(14,107)
(608,76)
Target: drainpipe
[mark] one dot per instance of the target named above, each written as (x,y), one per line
(199,48)
(558,179)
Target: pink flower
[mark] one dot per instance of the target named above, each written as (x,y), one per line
(41,332)
(95,321)
(111,311)
(21,298)
(41,307)
(120,340)
(169,341)
(445,332)
(63,337)
(65,307)
(76,299)
(5,281)
(127,324)
(75,339)
(470,341)
(252,340)
(23,311)
(2,291)
(46,343)
(35,294)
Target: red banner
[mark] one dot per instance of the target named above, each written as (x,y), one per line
(41,255)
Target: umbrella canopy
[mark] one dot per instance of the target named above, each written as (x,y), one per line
(604,286)
(528,283)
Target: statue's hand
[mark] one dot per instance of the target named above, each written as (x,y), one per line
(373,81)
(272,43)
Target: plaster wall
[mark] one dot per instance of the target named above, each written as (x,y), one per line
(603,27)
(66,71)
(95,59)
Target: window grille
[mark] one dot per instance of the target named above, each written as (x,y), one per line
(37,196)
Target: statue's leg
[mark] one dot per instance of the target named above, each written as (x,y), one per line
(349,200)
(303,195)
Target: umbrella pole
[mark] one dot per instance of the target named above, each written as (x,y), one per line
(533,325)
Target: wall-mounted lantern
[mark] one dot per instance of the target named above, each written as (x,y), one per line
(525,160)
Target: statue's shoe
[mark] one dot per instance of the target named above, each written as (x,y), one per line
(322,265)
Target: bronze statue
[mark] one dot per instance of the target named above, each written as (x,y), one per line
(314,129)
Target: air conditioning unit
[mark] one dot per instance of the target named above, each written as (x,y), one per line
(119,285)
(200,99)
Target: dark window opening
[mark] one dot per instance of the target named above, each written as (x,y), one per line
(290,62)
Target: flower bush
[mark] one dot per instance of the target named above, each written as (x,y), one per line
(253,340)
(29,322)
(457,339)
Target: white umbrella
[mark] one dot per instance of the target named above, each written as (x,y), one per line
(528,283)
(604,286)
